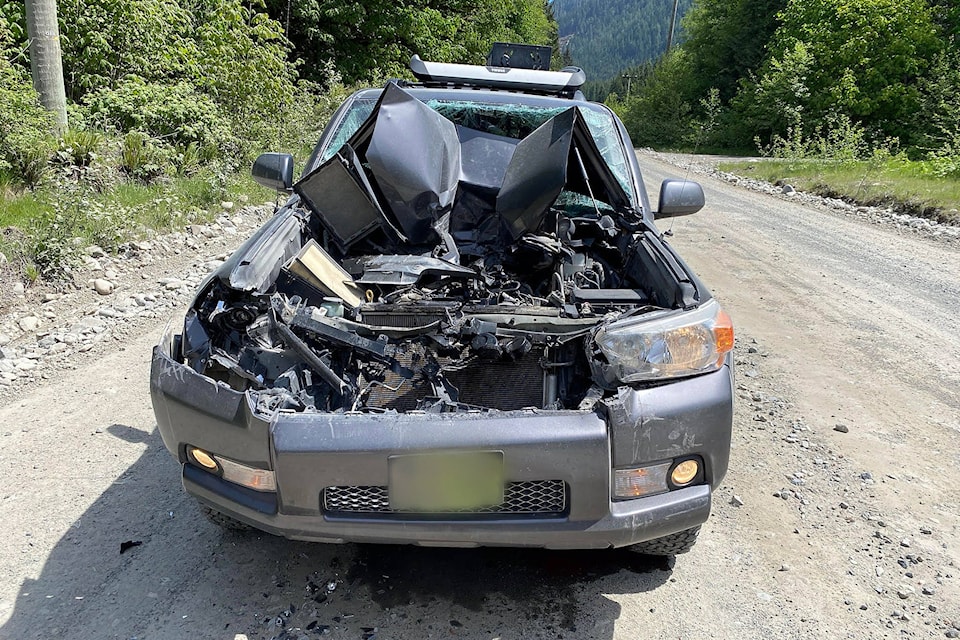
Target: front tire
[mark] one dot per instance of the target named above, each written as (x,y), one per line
(671,545)
(223,521)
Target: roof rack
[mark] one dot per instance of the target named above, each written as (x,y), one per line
(565,83)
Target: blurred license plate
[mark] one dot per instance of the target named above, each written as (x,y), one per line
(446,482)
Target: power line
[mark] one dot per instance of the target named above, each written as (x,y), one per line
(673,23)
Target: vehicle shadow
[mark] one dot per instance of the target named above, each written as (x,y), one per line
(188,578)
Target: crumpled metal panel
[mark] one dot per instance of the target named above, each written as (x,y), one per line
(404,270)
(407,165)
(536,174)
(255,265)
(414,156)
(560,154)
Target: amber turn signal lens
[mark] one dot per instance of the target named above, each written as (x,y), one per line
(723,334)
(685,472)
(203,459)
(644,481)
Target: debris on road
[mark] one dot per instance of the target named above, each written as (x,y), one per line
(129,544)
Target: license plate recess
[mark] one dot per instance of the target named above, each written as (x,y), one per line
(446,482)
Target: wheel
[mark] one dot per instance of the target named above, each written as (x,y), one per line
(223,521)
(671,545)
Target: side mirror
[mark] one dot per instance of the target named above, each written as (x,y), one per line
(679,198)
(274,171)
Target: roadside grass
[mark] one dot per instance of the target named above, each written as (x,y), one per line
(907,186)
(16,210)
(43,231)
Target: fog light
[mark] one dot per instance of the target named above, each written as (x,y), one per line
(203,458)
(643,481)
(685,472)
(252,477)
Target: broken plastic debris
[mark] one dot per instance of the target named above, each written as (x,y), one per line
(129,544)
(316,267)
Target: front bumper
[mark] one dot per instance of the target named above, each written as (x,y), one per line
(309,452)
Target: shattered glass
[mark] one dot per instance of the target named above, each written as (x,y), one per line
(507,120)
(360,110)
(519,120)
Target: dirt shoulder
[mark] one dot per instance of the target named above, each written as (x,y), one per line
(46,328)
(891,215)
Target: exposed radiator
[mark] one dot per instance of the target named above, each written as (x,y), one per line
(502,385)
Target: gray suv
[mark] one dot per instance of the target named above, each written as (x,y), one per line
(462,328)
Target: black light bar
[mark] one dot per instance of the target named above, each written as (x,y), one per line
(519,56)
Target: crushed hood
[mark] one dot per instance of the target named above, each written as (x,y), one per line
(407,166)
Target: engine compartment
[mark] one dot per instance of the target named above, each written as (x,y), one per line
(511,331)
(435,264)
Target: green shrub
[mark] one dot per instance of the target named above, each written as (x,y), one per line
(49,240)
(141,158)
(104,41)
(176,113)
(197,65)
(104,223)
(839,140)
(659,115)
(25,141)
(187,160)
(774,104)
(79,147)
(31,161)
(945,161)
(12,27)
(74,212)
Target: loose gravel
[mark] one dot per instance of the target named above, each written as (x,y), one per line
(47,328)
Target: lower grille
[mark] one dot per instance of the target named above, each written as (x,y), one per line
(537,497)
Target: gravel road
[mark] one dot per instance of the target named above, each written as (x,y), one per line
(839,517)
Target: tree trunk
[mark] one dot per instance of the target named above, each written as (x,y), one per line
(46,65)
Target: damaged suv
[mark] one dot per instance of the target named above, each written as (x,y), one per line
(462,328)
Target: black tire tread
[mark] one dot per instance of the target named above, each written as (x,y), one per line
(671,545)
(224,521)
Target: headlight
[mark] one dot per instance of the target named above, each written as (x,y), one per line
(681,344)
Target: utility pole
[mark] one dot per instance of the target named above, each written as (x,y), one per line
(46,65)
(673,23)
(629,78)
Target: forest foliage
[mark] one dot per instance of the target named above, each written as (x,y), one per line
(366,40)
(814,77)
(202,81)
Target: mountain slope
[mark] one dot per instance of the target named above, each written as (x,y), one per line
(607,36)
